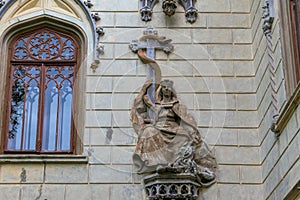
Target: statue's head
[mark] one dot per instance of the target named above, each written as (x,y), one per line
(166,88)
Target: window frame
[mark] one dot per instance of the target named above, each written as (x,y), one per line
(288,50)
(10,63)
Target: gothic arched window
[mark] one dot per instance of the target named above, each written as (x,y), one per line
(43,67)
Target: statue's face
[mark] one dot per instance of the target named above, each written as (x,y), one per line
(166,90)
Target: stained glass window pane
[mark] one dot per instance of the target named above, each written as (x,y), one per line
(24,108)
(65,116)
(58,108)
(50,116)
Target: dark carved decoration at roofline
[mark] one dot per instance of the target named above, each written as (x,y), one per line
(147,9)
(169,7)
(191,13)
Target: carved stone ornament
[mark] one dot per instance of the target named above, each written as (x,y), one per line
(147,9)
(146,47)
(191,13)
(268,17)
(169,8)
(2,3)
(89,4)
(170,152)
(99,32)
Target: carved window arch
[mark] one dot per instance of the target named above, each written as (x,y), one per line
(43,65)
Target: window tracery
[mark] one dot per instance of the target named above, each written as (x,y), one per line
(42,72)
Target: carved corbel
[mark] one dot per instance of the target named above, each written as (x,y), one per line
(191,13)
(100,47)
(169,7)
(89,4)
(2,3)
(98,33)
(147,9)
(95,16)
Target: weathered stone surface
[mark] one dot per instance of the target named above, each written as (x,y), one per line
(66,173)
(228,20)
(239,155)
(110,174)
(212,36)
(251,174)
(9,191)
(229,174)
(82,192)
(20,173)
(240,6)
(42,191)
(115,5)
(122,155)
(213,68)
(120,136)
(230,52)
(127,192)
(98,119)
(214,6)
(99,155)
(248,137)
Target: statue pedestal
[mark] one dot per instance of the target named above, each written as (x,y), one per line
(171,186)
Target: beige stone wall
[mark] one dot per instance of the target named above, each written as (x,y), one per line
(279,156)
(219,66)
(212,67)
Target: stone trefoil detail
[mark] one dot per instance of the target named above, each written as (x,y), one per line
(169,8)
(268,18)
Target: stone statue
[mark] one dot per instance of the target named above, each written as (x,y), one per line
(170,142)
